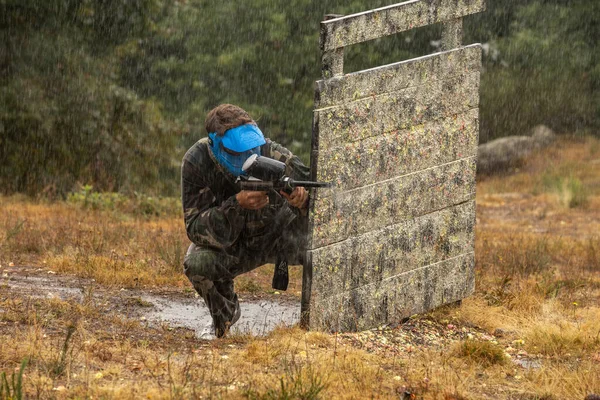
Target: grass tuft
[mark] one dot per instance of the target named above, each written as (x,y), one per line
(481,352)
(515,255)
(570,191)
(565,339)
(13,389)
(298,383)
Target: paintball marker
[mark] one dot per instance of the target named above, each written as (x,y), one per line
(266,173)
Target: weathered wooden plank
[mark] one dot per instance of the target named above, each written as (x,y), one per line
(399,110)
(373,24)
(343,214)
(397,153)
(393,250)
(397,76)
(395,298)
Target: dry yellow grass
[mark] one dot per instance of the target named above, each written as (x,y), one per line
(114,248)
(537,299)
(109,247)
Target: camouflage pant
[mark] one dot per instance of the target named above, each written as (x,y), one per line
(212,271)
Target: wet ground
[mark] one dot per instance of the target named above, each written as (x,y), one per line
(175,309)
(259,316)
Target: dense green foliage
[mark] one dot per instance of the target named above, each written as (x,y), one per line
(542,68)
(111,93)
(64,117)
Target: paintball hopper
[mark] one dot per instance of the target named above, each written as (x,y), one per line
(264,168)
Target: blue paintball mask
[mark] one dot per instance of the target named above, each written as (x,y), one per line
(233,148)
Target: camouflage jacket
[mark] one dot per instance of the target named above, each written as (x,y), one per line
(213,217)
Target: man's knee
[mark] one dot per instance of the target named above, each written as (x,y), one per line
(198,263)
(206,263)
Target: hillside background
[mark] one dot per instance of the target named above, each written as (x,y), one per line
(110,94)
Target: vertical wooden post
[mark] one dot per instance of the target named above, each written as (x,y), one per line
(332,61)
(332,64)
(306,291)
(452,33)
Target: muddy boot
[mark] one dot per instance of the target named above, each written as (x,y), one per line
(222,327)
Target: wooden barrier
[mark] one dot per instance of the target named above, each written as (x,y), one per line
(395,236)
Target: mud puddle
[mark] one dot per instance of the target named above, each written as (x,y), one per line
(528,363)
(258,316)
(50,286)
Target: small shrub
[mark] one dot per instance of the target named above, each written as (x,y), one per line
(575,194)
(570,190)
(564,339)
(482,352)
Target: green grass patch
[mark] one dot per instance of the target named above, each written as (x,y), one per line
(570,190)
(136,204)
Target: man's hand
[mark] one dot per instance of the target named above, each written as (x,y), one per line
(252,200)
(298,198)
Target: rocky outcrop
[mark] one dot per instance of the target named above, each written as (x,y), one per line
(502,154)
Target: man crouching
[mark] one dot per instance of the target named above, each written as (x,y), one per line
(234,231)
